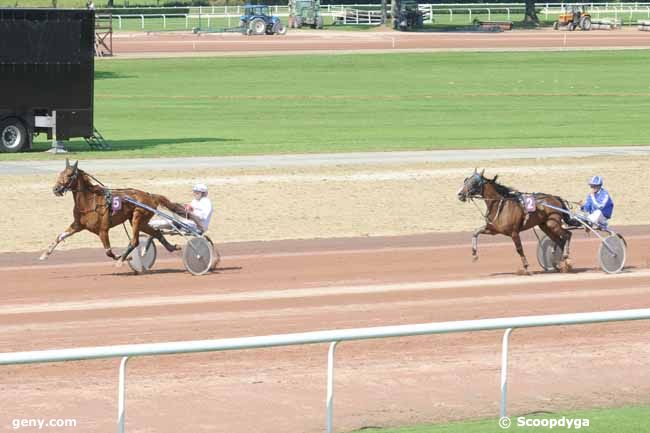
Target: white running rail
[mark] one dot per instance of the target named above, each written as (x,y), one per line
(332,337)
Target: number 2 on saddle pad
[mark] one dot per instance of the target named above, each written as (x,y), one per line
(530,203)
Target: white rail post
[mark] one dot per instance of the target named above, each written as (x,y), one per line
(470,15)
(164,22)
(121,396)
(504,372)
(489,15)
(142,16)
(330,385)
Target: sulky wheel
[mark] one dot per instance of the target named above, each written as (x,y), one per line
(198,255)
(143,256)
(549,255)
(612,254)
(216,257)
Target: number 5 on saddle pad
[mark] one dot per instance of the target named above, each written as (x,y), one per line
(116,204)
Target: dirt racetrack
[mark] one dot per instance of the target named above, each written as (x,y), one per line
(79,299)
(130,45)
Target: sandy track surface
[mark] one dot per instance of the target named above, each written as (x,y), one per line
(330,201)
(134,45)
(264,288)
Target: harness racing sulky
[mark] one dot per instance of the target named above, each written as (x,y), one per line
(509,212)
(98,209)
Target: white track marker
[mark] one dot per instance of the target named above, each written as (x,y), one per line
(565,40)
(393,39)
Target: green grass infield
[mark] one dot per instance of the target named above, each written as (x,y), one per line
(622,420)
(370,102)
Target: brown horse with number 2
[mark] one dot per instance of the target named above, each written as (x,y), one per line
(507,215)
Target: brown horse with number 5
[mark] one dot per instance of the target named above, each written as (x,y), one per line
(94,211)
(506,215)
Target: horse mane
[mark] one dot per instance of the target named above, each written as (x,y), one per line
(503,190)
(89,183)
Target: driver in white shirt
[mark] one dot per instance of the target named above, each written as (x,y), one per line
(198,212)
(200,209)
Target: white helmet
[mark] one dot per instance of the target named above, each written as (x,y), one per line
(200,187)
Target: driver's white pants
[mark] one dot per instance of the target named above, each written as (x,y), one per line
(597,217)
(163,224)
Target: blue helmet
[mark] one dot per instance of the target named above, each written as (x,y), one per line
(596,181)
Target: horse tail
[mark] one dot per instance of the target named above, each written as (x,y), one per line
(177,208)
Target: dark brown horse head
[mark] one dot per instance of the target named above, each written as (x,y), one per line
(67,178)
(472,186)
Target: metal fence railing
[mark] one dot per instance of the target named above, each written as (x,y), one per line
(441,13)
(332,337)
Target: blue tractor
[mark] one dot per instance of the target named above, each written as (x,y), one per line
(257,21)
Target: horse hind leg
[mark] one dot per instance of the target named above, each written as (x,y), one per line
(135,239)
(566,265)
(157,234)
(561,238)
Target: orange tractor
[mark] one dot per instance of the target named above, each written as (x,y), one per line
(573,18)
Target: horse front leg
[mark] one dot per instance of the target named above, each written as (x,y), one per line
(103,236)
(477,232)
(74,228)
(520,250)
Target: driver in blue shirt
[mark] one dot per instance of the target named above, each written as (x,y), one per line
(599,204)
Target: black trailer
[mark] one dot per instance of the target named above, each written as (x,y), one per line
(47,68)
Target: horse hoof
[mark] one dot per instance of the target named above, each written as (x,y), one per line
(524,272)
(474,259)
(43,256)
(565,266)
(119,263)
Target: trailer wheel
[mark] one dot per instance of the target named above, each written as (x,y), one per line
(13,135)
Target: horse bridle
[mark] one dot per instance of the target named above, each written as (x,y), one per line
(68,186)
(481,184)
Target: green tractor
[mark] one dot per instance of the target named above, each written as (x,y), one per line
(406,15)
(305,13)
